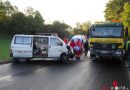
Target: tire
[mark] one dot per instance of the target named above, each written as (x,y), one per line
(19,60)
(121,59)
(64,58)
(22,60)
(14,60)
(28,60)
(92,57)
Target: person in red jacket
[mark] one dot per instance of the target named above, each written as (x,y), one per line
(72,43)
(65,40)
(78,48)
(79,43)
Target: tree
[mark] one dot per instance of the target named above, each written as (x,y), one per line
(2,11)
(35,19)
(48,28)
(60,28)
(126,15)
(77,28)
(29,11)
(82,28)
(114,8)
(38,20)
(85,26)
(6,11)
(14,22)
(10,9)
(17,24)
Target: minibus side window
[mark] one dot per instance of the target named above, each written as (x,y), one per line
(55,42)
(22,40)
(18,40)
(26,40)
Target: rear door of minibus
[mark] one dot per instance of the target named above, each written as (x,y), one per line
(22,46)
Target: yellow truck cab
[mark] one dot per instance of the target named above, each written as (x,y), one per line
(107,39)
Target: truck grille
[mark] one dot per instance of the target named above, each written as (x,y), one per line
(105,45)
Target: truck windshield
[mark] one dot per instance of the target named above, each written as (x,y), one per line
(109,32)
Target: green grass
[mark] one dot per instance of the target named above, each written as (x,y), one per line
(5,41)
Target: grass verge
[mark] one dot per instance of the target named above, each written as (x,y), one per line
(5,41)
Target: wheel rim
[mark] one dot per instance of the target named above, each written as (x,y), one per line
(65,57)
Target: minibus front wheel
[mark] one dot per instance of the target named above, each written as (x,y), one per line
(64,58)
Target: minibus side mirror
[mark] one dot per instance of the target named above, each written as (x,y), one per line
(68,47)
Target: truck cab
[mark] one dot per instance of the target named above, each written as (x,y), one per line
(107,40)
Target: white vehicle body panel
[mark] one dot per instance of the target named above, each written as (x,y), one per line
(54,49)
(22,50)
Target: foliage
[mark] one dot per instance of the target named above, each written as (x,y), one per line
(126,15)
(82,28)
(5,41)
(114,8)
(19,23)
(29,11)
(13,21)
(38,21)
(57,27)
(6,9)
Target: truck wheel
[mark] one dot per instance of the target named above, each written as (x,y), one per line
(64,58)
(121,59)
(92,57)
(15,60)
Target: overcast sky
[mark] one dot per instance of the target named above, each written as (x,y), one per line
(68,11)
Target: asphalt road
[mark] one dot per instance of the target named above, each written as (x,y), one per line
(77,75)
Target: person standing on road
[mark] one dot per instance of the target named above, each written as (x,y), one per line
(72,44)
(65,40)
(86,47)
(78,47)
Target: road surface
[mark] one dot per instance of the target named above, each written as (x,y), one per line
(77,75)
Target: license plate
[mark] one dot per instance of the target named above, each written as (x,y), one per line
(104,52)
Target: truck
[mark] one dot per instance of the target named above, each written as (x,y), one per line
(108,40)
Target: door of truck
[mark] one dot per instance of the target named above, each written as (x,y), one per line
(22,46)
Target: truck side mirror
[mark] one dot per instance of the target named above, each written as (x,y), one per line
(88,33)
